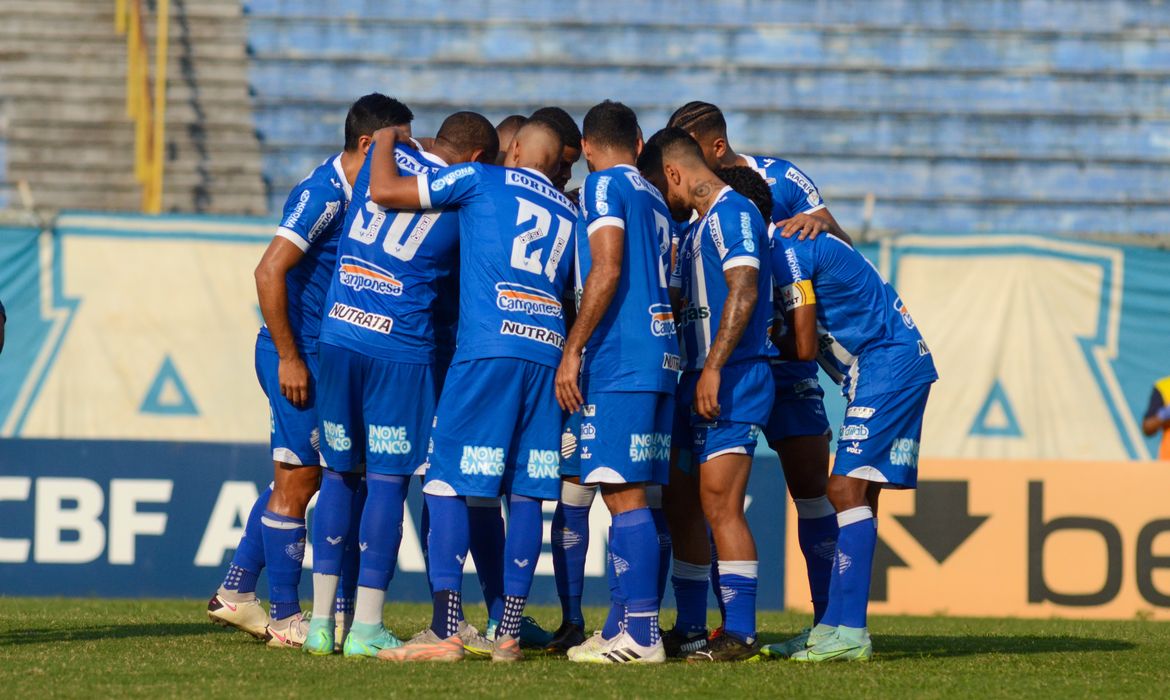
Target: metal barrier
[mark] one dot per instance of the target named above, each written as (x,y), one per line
(147,111)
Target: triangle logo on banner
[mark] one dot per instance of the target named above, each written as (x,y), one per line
(168,395)
(996,418)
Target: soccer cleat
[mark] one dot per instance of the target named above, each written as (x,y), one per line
(567,636)
(532,635)
(715,634)
(808,637)
(344,622)
(425,646)
(622,649)
(289,633)
(474,642)
(319,640)
(245,615)
(589,646)
(506,649)
(845,645)
(726,647)
(369,641)
(679,644)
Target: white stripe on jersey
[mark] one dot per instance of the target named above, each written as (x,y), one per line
(700,300)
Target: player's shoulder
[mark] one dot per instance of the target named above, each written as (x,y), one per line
(414,160)
(732,208)
(535,183)
(326,180)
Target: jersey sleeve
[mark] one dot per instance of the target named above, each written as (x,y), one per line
(1156,402)
(308,211)
(450,187)
(603,203)
(796,193)
(735,238)
(791,276)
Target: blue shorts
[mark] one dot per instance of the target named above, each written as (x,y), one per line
(880,436)
(374,411)
(746,393)
(625,437)
(799,409)
(497,430)
(570,442)
(294,430)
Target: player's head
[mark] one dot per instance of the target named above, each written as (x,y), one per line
(705,123)
(748,182)
(370,113)
(506,131)
(537,145)
(611,131)
(468,137)
(673,162)
(570,135)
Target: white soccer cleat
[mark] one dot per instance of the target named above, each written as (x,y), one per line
(289,633)
(246,615)
(589,646)
(622,649)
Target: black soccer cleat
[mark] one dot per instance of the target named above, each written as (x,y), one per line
(680,644)
(567,636)
(726,647)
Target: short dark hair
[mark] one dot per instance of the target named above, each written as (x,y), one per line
(699,118)
(673,142)
(469,131)
(612,125)
(549,126)
(748,182)
(372,112)
(563,122)
(512,121)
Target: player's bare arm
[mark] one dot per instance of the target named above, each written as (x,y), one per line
(809,225)
(737,312)
(272,293)
(606,251)
(1150,426)
(387,187)
(799,341)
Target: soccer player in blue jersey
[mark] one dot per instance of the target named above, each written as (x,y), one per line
(720,289)
(291,281)
(497,426)
(377,385)
(619,370)
(798,428)
(839,310)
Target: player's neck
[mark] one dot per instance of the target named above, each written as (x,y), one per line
(351,163)
(703,192)
(604,160)
(731,159)
(444,153)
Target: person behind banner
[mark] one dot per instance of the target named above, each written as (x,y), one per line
(1157,415)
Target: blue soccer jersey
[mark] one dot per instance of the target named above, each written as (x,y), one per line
(389,265)
(634,347)
(515,251)
(868,342)
(313,217)
(732,234)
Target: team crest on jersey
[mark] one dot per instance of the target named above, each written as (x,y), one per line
(661,320)
(362,275)
(527,300)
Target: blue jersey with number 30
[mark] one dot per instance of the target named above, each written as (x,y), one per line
(515,251)
(634,347)
(389,264)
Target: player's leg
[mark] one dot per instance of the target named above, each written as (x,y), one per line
(487,551)
(235,604)
(350,567)
(570,540)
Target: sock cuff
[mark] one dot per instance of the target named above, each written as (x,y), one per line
(654,496)
(690,572)
(578,495)
(481,502)
(281,522)
(813,508)
(633,518)
(854,515)
(747,569)
(387,478)
(516,499)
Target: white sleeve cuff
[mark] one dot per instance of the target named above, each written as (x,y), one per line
(814,209)
(606,221)
(741,261)
(424,192)
(290,235)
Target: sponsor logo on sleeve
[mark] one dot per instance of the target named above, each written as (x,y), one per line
(544,464)
(601,195)
(801,181)
(527,300)
(324,220)
(388,439)
(715,230)
(441,183)
(540,335)
(482,461)
(645,447)
(854,432)
(361,275)
(362,319)
(295,215)
(862,412)
(923,350)
(900,307)
(661,320)
(745,228)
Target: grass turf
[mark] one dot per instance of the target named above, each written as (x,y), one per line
(167,648)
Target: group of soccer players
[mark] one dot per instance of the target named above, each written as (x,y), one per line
(441,307)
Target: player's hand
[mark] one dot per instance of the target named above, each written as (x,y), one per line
(707,394)
(803,226)
(294,381)
(568,386)
(398,133)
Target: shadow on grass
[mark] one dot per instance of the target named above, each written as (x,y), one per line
(904,646)
(104,632)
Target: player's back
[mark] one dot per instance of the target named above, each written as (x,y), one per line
(634,347)
(312,220)
(389,264)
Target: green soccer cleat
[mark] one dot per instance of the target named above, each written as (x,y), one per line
(319,640)
(847,644)
(367,640)
(532,635)
(808,637)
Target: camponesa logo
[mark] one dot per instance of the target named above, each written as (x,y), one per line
(527,300)
(336,437)
(645,447)
(361,275)
(439,184)
(482,461)
(544,464)
(900,307)
(661,320)
(387,439)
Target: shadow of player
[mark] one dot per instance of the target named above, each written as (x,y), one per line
(53,635)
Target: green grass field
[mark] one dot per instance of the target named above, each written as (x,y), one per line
(167,648)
